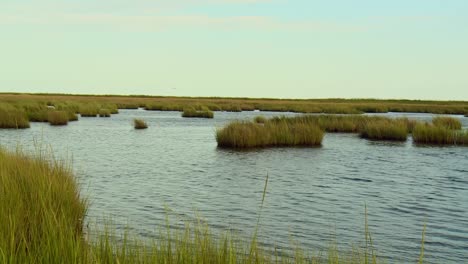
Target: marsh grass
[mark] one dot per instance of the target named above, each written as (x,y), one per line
(104,113)
(11,117)
(139,124)
(42,211)
(203,113)
(270,134)
(447,122)
(385,130)
(163,107)
(89,110)
(260,119)
(42,221)
(439,135)
(329,106)
(284,131)
(57,118)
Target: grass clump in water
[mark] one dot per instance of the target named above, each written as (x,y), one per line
(58,118)
(104,113)
(270,134)
(204,113)
(438,135)
(139,124)
(385,130)
(260,119)
(10,117)
(447,122)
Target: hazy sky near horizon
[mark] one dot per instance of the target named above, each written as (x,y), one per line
(416,49)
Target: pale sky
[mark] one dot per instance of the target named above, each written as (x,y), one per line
(415,49)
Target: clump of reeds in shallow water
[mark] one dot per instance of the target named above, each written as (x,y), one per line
(104,113)
(58,118)
(139,123)
(10,117)
(260,119)
(191,112)
(439,135)
(447,122)
(385,130)
(270,134)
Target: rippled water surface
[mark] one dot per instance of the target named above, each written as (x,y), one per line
(314,194)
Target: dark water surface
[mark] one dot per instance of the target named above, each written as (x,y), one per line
(314,194)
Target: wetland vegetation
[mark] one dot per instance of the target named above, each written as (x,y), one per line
(43,214)
(331,106)
(57,118)
(192,112)
(139,124)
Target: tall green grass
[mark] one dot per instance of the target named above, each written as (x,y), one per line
(58,118)
(253,135)
(447,122)
(439,135)
(42,213)
(11,117)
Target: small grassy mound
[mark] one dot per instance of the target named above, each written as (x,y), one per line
(385,130)
(447,122)
(260,119)
(191,112)
(270,134)
(11,117)
(438,135)
(104,113)
(58,118)
(139,124)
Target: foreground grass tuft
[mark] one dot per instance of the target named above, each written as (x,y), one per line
(58,118)
(139,124)
(447,122)
(42,211)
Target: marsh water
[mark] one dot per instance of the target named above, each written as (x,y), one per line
(314,195)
